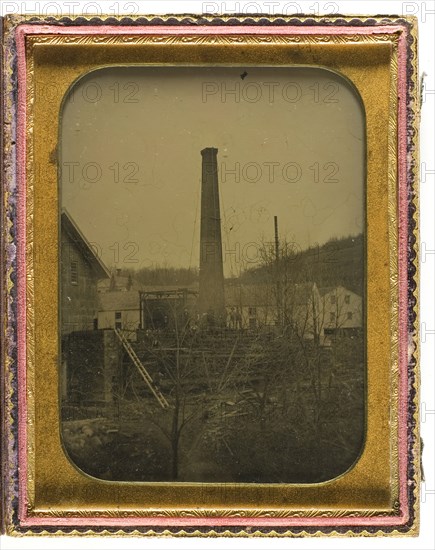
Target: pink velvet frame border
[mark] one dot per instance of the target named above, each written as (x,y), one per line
(396,520)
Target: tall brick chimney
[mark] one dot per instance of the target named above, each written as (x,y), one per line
(211,272)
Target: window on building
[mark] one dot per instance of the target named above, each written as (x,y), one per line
(347,299)
(252,311)
(332,317)
(333,299)
(349,315)
(118,320)
(74,273)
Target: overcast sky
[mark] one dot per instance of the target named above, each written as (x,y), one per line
(290,141)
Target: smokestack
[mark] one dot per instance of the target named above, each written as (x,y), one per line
(211,272)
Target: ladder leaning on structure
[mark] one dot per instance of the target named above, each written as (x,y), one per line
(142,370)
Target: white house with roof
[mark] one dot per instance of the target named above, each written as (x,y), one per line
(255,306)
(311,312)
(250,305)
(341,312)
(119,310)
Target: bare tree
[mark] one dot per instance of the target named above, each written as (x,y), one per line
(194,378)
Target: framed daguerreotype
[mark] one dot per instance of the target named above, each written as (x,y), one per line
(209,277)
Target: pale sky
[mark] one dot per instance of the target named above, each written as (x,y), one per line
(291,143)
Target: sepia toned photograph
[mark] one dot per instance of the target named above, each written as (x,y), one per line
(212,274)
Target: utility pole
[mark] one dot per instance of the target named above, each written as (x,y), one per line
(275,219)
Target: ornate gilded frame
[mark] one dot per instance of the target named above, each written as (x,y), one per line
(44,494)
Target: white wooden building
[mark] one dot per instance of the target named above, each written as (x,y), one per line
(341,312)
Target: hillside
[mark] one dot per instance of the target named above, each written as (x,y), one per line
(337,262)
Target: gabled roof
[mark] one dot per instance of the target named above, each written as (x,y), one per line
(71,228)
(119,301)
(323,290)
(326,290)
(254,295)
(265,294)
(192,288)
(301,293)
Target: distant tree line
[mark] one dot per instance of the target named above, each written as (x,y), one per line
(165,275)
(334,263)
(337,262)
